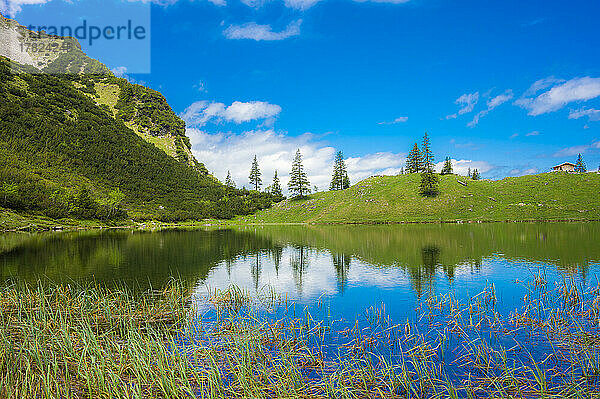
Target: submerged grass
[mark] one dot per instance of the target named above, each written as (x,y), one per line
(84,342)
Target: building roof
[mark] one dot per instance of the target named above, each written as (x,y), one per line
(563,164)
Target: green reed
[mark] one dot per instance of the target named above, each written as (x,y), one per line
(68,341)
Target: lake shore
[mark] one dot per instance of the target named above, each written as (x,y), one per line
(548,197)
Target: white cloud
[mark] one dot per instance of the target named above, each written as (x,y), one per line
(400,119)
(467,102)
(13,7)
(542,84)
(559,95)
(592,114)
(253,31)
(300,4)
(578,149)
(461,167)
(202,112)
(492,103)
(221,152)
(534,133)
(500,99)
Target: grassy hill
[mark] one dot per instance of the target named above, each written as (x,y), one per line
(549,196)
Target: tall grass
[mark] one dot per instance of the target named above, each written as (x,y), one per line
(94,342)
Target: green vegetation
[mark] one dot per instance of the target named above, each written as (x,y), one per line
(62,155)
(298,184)
(430,184)
(255,174)
(550,196)
(275,189)
(580,165)
(447,168)
(339,178)
(78,342)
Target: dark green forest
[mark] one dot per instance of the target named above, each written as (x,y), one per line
(62,155)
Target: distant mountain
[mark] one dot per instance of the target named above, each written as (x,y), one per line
(87,144)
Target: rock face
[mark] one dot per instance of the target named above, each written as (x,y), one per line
(44,53)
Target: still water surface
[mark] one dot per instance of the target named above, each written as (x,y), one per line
(349,268)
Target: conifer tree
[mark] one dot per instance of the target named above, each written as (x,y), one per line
(255,174)
(475,175)
(580,165)
(447,169)
(469,173)
(429,180)
(276,188)
(414,162)
(298,184)
(339,178)
(229,180)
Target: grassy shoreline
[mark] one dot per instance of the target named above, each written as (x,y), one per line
(550,197)
(76,342)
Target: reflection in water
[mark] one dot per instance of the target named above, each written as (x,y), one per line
(341,263)
(299,264)
(306,261)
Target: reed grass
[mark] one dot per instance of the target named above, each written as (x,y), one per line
(68,341)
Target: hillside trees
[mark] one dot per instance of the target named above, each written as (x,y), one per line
(56,142)
(229,181)
(414,161)
(255,179)
(429,186)
(447,168)
(276,191)
(580,165)
(298,184)
(339,178)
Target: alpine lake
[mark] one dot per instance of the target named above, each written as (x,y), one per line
(435,310)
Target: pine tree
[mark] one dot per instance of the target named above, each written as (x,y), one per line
(255,174)
(580,165)
(339,178)
(229,180)
(475,175)
(298,183)
(469,173)
(429,180)
(447,169)
(414,162)
(276,188)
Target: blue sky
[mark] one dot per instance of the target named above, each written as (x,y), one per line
(509,87)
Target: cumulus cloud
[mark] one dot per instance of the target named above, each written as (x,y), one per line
(560,94)
(222,152)
(577,149)
(400,119)
(592,114)
(202,112)
(467,102)
(462,166)
(253,31)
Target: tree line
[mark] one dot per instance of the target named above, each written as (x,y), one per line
(299,185)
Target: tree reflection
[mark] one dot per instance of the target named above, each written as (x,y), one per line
(299,264)
(341,263)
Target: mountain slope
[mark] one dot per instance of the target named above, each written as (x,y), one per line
(550,196)
(144,110)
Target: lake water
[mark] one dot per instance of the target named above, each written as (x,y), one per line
(347,268)
(361,284)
